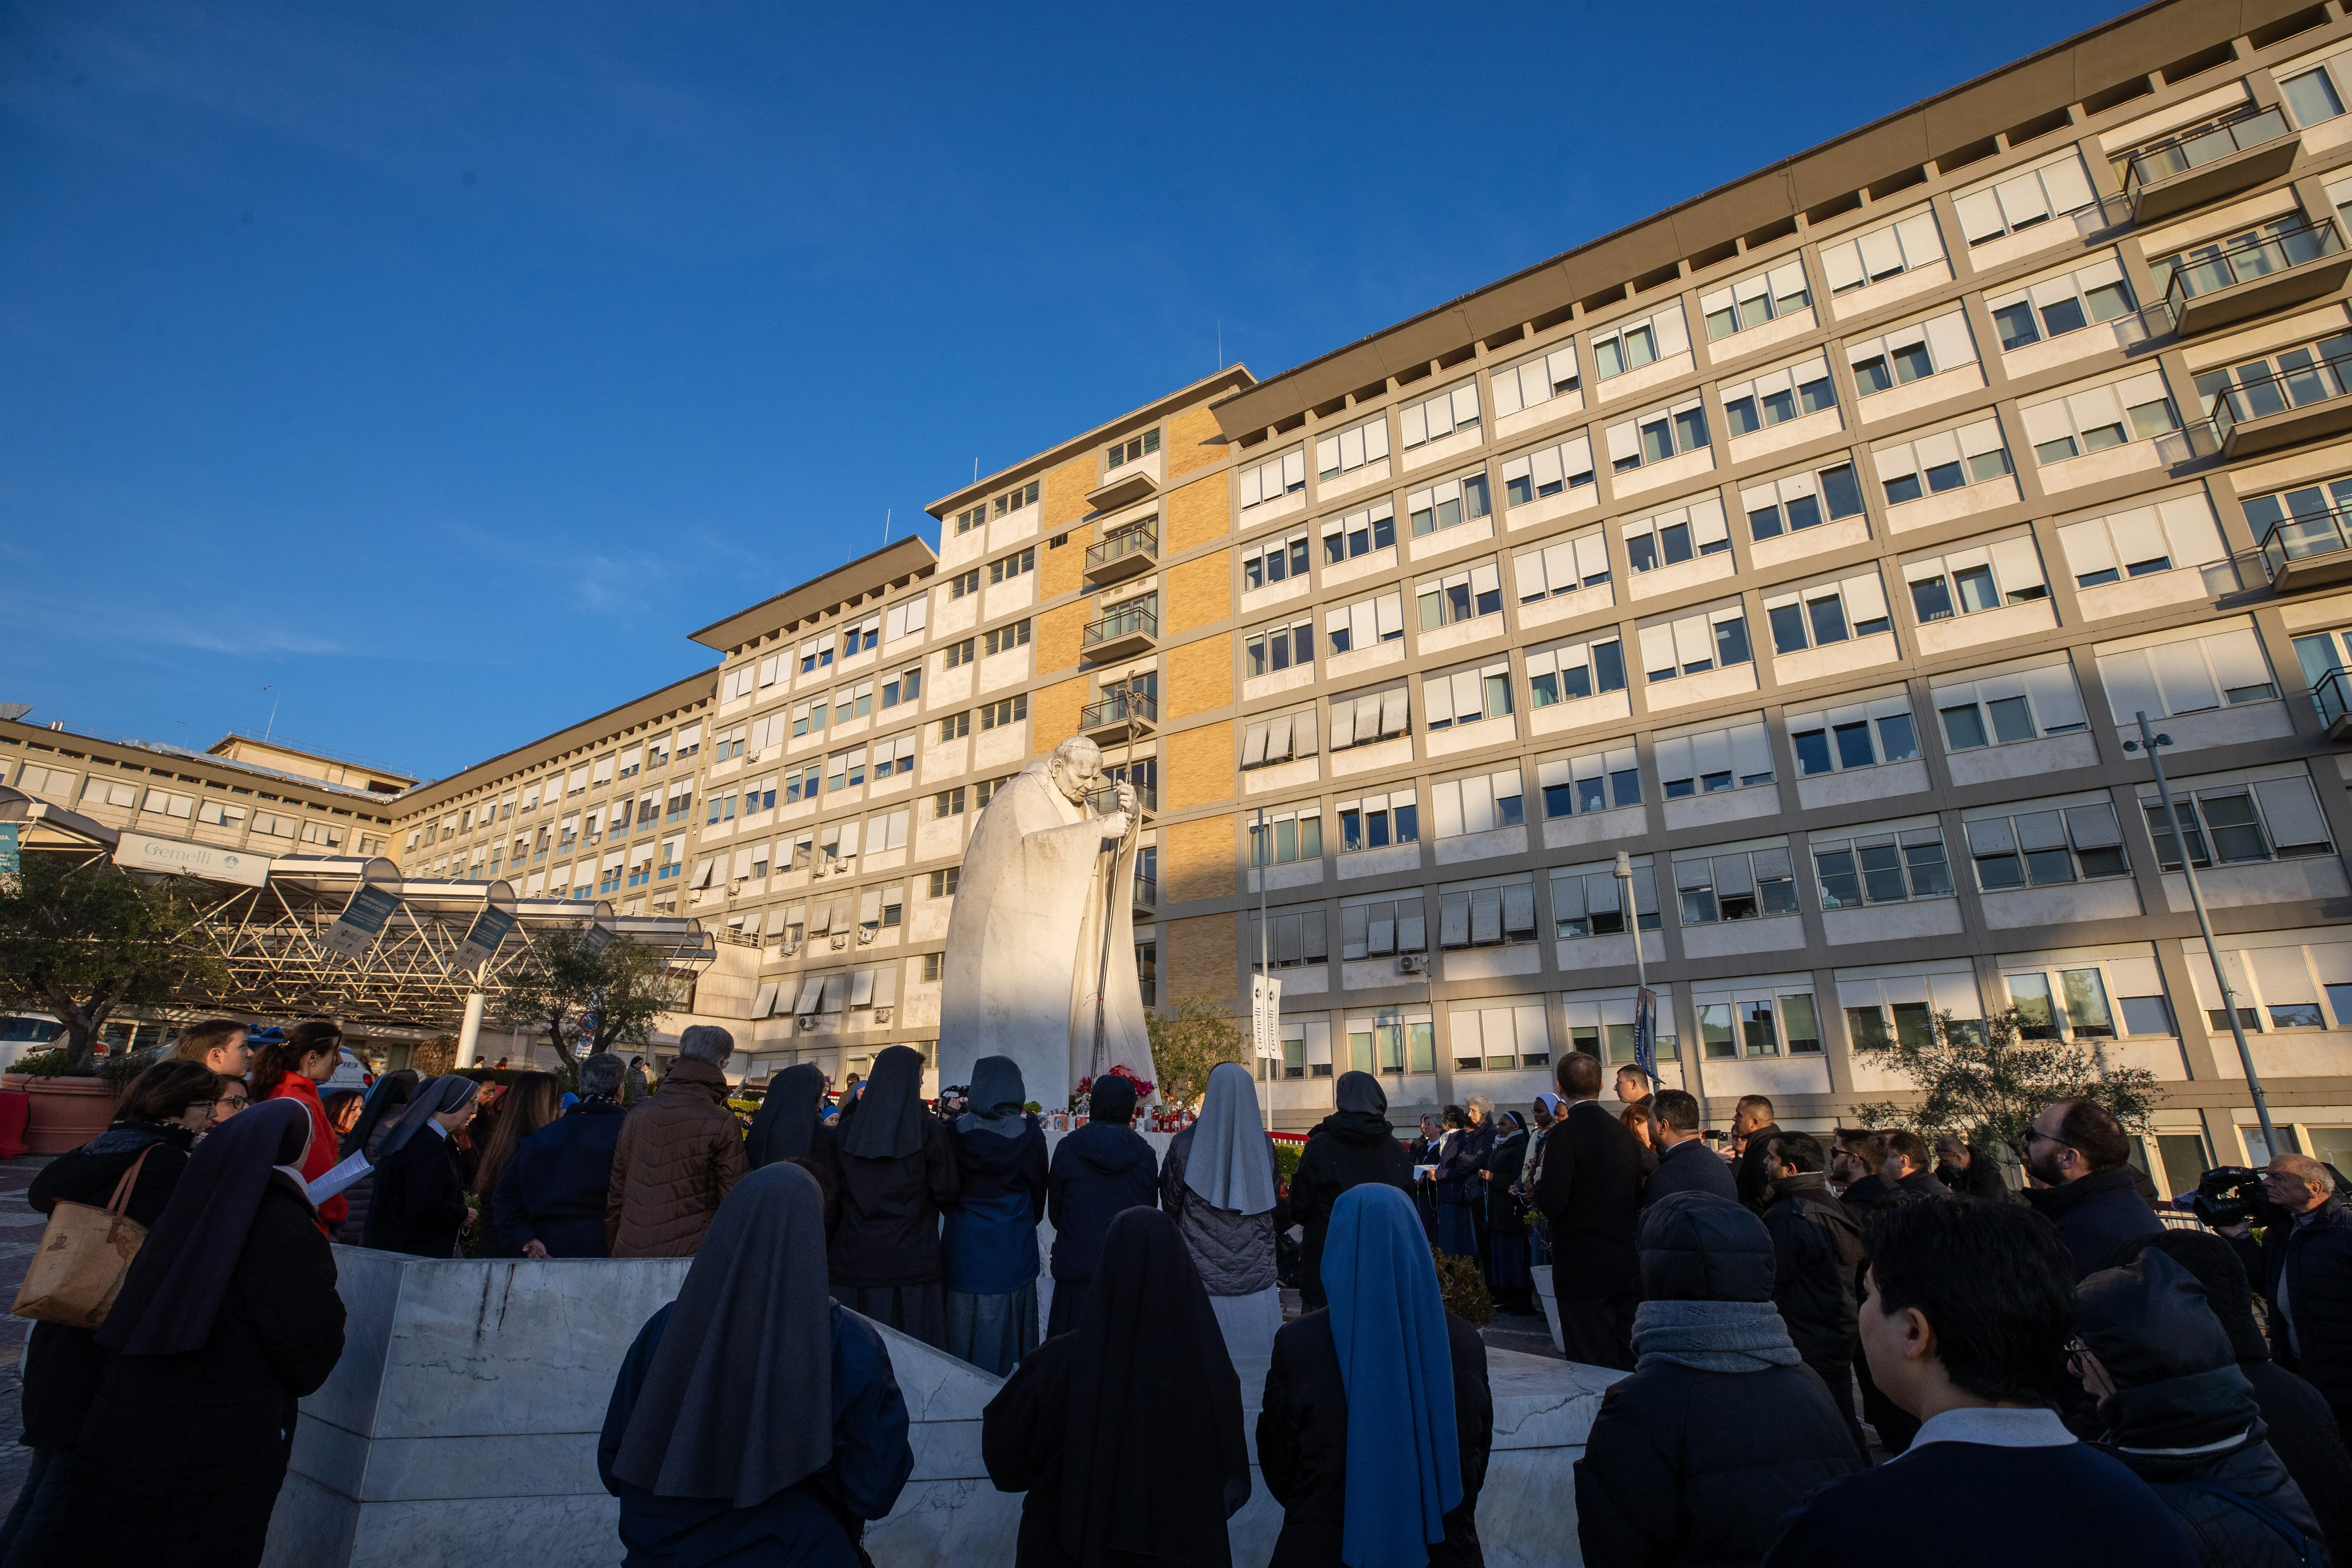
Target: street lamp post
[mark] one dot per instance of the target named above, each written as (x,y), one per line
(2148,741)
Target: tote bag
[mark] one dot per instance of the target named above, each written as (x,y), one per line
(85,1253)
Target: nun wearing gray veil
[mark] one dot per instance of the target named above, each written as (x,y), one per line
(988,1250)
(1217,1182)
(710,1440)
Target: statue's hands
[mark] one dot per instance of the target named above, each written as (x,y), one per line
(1125,798)
(1117,825)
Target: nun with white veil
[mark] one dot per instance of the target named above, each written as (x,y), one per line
(1217,1182)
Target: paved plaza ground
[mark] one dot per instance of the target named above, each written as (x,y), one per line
(20,1232)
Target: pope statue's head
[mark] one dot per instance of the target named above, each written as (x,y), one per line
(1076,768)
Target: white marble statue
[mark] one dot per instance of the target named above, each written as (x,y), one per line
(1044,928)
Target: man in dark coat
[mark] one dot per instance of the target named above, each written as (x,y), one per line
(1097,1171)
(1722,1428)
(1686,1162)
(2300,1428)
(1969,1309)
(2304,1269)
(1353,1145)
(1751,1120)
(679,1155)
(1816,1257)
(1591,1192)
(1906,1169)
(2181,1415)
(1854,1162)
(1969,1171)
(549,1200)
(2079,1150)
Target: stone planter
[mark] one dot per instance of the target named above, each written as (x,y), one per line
(1541,1273)
(64,1112)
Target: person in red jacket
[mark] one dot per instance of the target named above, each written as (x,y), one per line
(293,1069)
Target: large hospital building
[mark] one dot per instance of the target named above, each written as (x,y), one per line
(1815,542)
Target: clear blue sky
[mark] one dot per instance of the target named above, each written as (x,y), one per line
(442,366)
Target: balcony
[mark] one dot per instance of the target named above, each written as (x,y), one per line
(2304,402)
(2186,171)
(1123,553)
(1118,715)
(2312,550)
(1125,633)
(1146,897)
(1128,483)
(2255,279)
(2334,694)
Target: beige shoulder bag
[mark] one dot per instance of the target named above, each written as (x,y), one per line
(85,1253)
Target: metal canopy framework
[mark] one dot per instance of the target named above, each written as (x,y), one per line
(274,938)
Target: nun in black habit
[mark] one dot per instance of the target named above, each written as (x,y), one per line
(790,1122)
(990,1247)
(1125,1434)
(419,1207)
(708,1441)
(894,1171)
(227,1317)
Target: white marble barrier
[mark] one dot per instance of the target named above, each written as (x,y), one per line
(460,1430)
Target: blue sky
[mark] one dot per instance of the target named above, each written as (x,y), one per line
(441,367)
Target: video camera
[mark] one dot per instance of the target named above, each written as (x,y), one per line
(2227,1194)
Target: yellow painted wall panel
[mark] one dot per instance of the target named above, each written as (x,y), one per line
(1197,513)
(1201,958)
(1197,860)
(1200,679)
(1200,766)
(1054,713)
(1196,593)
(1192,441)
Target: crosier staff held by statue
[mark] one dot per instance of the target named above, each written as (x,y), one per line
(1116,848)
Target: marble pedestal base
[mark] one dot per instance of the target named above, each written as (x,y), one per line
(460,1430)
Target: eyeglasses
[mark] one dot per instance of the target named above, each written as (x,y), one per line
(2031,1132)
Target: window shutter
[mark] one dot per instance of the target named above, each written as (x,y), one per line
(1302,734)
(2093,827)
(1253,745)
(1384,930)
(1882,252)
(1751,751)
(1486,578)
(836,992)
(1920,243)
(2182,676)
(1277,739)
(1293,469)
(1992,837)
(1528,573)
(1437,700)
(1672,333)
(2016,563)
(1842,264)
(1624,441)
(812,988)
(2292,813)
(1519,908)
(1486,916)
(2056,703)
(1454,919)
(2238,658)
(1949,342)
(1895,462)
(1979,215)
(1416,425)
(1692,643)
(1466,403)
(886,986)
(2022,201)
(765,1003)
(2046,422)
(2086,548)
(2130,685)
(2188,529)
(1394,719)
(1327,454)
(1413,926)
(1707,526)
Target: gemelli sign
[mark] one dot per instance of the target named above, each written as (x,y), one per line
(142,852)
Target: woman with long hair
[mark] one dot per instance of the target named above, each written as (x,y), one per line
(420,1198)
(755,1421)
(532,1101)
(153,1130)
(293,1069)
(227,1317)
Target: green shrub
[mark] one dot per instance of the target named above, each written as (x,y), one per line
(1285,1160)
(51,1063)
(1465,1293)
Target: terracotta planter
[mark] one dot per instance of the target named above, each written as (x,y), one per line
(65,1112)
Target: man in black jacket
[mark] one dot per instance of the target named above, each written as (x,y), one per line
(1591,1191)
(1967,1171)
(1816,1258)
(1353,1145)
(1751,1119)
(2080,1152)
(2304,1269)
(1854,1162)
(1906,1170)
(1698,1454)
(1685,1163)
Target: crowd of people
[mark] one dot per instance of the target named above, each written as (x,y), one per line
(1827,1339)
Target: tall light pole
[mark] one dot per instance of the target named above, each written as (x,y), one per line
(2148,741)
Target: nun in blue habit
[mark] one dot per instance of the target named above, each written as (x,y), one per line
(709,1442)
(1377,1420)
(988,1252)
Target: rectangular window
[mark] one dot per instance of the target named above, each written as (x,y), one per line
(1480,803)
(804,781)
(1589,900)
(958,653)
(1987,577)
(1491,915)
(1911,354)
(955,726)
(2187,674)
(1569,671)
(2047,848)
(2241,824)
(1276,561)
(846,770)
(1466,695)
(818,654)
(964,583)
(1289,939)
(1383,927)
(1362,717)
(1287,836)
(1671,538)
(1885,252)
(1630,345)
(1283,738)
(1345,451)
(1004,640)
(1603,780)
(1284,646)
(1760,1023)
(1777,397)
(906,617)
(906,686)
(1014,500)
(2023,198)
(1999,709)
(1134,450)
(1829,613)
(1378,821)
(1273,478)
(1654,437)
(1447,505)
(853,702)
(1010,710)
(1006,567)
(2099,417)
(1722,757)
(1459,596)
(1441,414)
(2061,302)
(1693,644)
(1536,381)
(1736,885)
(1888,866)
(2274,383)
(1759,297)
(1367,623)
(1563,566)
(1947,461)
(1796,502)
(1547,471)
(1359,533)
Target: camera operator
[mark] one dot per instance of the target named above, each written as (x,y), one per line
(2302,1266)
(2080,1154)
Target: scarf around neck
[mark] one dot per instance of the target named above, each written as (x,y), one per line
(1711,1336)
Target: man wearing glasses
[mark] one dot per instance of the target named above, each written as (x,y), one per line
(2082,1155)
(2302,1266)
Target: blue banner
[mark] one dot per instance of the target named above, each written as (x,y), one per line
(1645,1032)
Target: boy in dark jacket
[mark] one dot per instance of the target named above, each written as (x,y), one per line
(1816,1259)
(1101,1169)
(1969,1308)
(1721,1429)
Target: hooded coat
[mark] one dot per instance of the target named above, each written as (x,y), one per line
(1721,1429)
(2183,1419)
(1101,1169)
(1353,1145)
(1816,1259)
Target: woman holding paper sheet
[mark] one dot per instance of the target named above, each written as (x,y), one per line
(227,1317)
(293,1069)
(420,1197)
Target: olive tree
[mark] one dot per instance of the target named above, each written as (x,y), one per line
(85,940)
(588,996)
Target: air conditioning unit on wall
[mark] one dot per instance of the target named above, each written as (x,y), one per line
(1414,964)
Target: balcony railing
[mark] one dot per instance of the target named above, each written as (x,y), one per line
(1125,552)
(1118,714)
(2334,694)
(2216,289)
(2308,549)
(1106,799)
(1131,628)
(2251,417)
(1147,892)
(2152,174)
